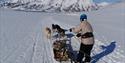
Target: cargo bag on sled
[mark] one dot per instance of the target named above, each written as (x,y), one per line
(60,50)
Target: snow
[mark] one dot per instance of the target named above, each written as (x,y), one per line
(22,39)
(110,1)
(103,4)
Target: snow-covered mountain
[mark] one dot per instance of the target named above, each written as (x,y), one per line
(52,5)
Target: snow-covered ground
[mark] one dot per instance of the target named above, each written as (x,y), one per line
(22,38)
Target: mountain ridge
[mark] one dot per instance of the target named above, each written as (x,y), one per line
(53,5)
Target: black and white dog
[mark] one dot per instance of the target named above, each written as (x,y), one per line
(58,29)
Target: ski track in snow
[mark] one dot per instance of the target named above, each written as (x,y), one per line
(43,51)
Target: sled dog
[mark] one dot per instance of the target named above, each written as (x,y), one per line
(58,29)
(48,32)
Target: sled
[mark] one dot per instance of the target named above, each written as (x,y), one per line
(61,52)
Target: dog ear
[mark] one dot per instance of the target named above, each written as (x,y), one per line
(58,27)
(53,25)
(63,30)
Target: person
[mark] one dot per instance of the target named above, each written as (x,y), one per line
(85,33)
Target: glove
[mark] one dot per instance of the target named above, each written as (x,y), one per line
(70,29)
(78,35)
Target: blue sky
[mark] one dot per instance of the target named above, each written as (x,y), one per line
(110,1)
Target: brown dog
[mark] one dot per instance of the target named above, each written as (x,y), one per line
(48,32)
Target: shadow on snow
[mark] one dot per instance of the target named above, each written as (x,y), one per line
(106,50)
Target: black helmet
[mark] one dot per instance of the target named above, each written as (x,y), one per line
(83,17)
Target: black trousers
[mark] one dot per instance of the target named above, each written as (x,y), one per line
(85,51)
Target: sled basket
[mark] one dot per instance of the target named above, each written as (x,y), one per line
(60,50)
